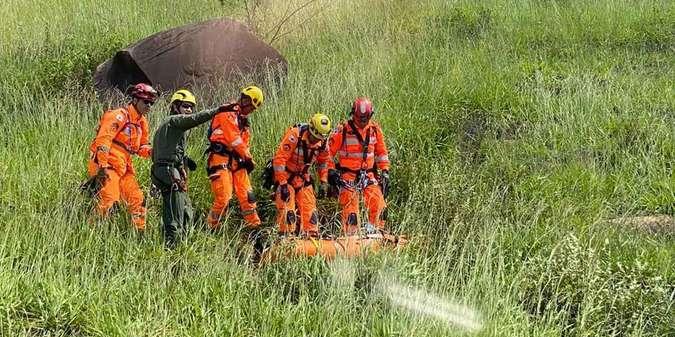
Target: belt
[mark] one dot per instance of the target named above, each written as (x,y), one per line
(213,169)
(305,182)
(167,163)
(123,146)
(345,169)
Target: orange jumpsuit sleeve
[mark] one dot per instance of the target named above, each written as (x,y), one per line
(226,129)
(246,136)
(288,144)
(323,161)
(381,153)
(145,150)
(111,123)
(334,144)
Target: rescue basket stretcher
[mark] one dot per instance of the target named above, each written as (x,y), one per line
(330,248)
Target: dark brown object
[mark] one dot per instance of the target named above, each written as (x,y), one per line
(196,54)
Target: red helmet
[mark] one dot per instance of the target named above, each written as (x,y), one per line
(144,91)
(362,110)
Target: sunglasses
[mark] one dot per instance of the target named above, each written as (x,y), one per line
(148,102)
(187,106)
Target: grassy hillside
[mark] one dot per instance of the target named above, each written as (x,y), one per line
(517,130)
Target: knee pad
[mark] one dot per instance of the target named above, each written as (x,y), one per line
(314,219)
(251,197)
(215,214)
(384,215)
(291,218)
(351,219)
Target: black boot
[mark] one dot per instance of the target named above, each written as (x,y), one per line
(259,238)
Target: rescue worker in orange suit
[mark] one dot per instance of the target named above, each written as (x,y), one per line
(120,134)
(230,161)
(361,152)
(302,146)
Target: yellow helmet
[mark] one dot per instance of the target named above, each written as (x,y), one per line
(255,94)
(183,95)
(319,126)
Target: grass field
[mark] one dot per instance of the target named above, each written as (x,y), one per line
(517,130)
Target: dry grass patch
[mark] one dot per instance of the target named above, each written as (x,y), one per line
(659,223)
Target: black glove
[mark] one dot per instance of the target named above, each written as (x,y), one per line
(101,176)
(243,121)
(384,182)
(333,191)
(260,240)
(284,193)
(323,191)
(155,192)
(334,178)
(189,163)
(247,164)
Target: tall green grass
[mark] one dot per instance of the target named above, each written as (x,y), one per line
(516,130)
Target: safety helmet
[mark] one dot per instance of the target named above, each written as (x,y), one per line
(319,126)
(362,107)
(144,91)
(183,95)
(255,94)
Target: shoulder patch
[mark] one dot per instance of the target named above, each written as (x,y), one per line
(292,139)
(120,117)
(287,147)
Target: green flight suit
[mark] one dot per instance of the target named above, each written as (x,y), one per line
(168,171)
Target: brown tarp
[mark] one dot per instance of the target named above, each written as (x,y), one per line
(195,54)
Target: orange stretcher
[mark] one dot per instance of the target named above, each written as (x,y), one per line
(330,248)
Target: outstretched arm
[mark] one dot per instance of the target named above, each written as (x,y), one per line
(186,122)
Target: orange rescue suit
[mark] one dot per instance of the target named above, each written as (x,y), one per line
(291,164)
(120,134)
(229,136)
(360,151)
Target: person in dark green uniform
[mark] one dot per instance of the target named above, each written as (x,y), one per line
(169,162)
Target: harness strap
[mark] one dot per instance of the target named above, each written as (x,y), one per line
(214,169)
(123,146)
(168,163)
(128,122)
(364,146)
(364,142)
(220,148)
(307,154)
(346,169)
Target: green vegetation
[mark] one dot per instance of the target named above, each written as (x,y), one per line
(516,130)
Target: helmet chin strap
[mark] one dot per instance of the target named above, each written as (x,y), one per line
(174,109)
